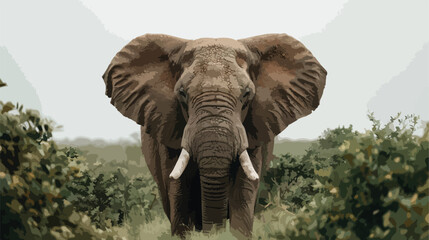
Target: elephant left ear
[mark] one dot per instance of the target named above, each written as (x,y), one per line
(140,81)
(289,83)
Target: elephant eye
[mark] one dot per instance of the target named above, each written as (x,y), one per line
(182,92)
(247,92)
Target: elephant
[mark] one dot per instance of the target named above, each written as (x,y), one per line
(209,110)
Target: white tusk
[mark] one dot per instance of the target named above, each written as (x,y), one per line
(181,164)
(247,166)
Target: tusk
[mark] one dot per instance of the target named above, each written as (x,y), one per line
(247,166)
(181,164)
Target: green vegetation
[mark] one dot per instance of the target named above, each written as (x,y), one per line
(352,185)
(345,185)
(34,174)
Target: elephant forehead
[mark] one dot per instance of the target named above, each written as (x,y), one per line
(215,54)
(223,45)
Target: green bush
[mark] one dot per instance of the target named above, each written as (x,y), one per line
(374,186)
(289,180)
(33,177)
(110,198)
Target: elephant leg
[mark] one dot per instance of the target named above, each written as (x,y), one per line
(185,202)
(243,197)
(244,192)
(181,199)
(155,156)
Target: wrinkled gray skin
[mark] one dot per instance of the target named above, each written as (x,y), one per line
(214,98)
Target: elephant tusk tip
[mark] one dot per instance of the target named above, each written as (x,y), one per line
(254,177)
(180,166)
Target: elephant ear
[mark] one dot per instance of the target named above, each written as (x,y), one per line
(140,82)
(289,83)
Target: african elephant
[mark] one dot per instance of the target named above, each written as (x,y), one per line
(209,110)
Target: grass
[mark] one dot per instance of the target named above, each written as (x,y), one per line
(265,224)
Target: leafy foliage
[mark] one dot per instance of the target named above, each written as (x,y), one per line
(374,186)
(287,182)
(109,200)
(290,179)
(33,177)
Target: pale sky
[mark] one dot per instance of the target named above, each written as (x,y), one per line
(61,49)
(224,18)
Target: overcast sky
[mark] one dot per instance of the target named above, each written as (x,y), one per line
(61,49)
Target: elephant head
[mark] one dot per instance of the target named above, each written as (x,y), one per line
(213,99)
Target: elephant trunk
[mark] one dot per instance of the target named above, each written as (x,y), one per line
(215,143)
(215,138)
(214,201)
(215,148)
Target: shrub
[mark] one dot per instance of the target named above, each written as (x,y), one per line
(377,187)
(109,198)
(289,180)
(33,177)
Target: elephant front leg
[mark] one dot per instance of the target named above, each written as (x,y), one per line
(180,198)
(185,202)
(243,198)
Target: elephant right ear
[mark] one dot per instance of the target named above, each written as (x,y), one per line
(289,83)
(140,82)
